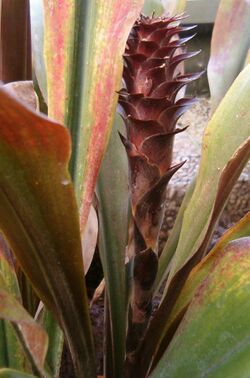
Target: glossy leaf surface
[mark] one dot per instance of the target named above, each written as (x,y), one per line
(37,42)
(199,273)
(221,164)
(225,150)
(113,197)
(39,217)
(172,242)
(213,337)
(80,94)
(229,46)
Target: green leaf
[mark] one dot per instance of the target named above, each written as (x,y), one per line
(159,7)
(11,373)
(31,334)
(7,269)
(56,342)
(11,352)
(153,6)
(198,274)
(221,164)
(113,197)
(213,338)
(39,217)
(225,151)
(172,242)
(37,33)
(83,94)
(229,46)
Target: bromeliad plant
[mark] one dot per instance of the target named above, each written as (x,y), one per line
(47,178)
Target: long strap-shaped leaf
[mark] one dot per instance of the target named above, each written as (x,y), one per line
(229,47)
(226,149)
(39,217)
(11,373)
(198,274)
(37,39)
(213,339)
(31,334)
(84,42)
(11,353)
(113,195)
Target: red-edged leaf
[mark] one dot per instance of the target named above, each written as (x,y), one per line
(31,333)
(81,94)
(39,217)
(213,337)
(198,274)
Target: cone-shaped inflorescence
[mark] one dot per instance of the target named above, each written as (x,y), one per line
(150,109)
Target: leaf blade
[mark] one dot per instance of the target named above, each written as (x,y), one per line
(32,335)
(198,274)
(221,305)
(37,199)
(214,161)
(113,196)
(11,373)
(85,96)
(229,46)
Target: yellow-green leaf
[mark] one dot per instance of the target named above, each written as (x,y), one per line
(213,339)
(229,46)
(225,150)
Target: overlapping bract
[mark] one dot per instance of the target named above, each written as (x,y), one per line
(150,111)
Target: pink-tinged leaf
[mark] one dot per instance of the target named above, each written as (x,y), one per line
(229,47)
(25,92)
(11,351)
(113,22)
(225,151)
(89,239)
(58,50)
(8,269)
(39,218)
(197,275)
(83,94)
(213,337)
(32,335)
